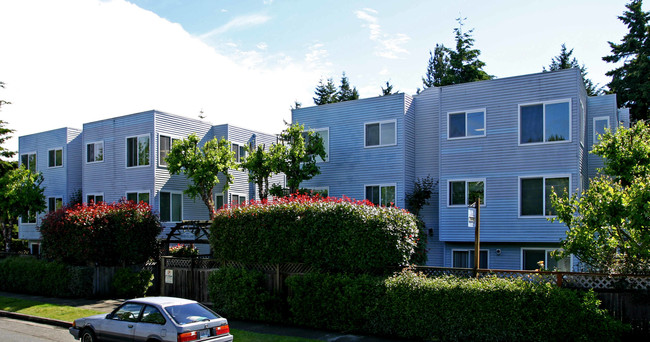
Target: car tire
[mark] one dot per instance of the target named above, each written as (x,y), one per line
(88,335)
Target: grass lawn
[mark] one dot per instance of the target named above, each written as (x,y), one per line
(69,314)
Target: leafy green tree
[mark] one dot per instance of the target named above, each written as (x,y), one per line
(202,166)
(259,165)
(4,133)
(564,61)
(21,194)
(346,93)
(609,223)
(325,93)
(422,190)
(630,81)
(296,154)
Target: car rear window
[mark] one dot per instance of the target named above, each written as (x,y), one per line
(190,313)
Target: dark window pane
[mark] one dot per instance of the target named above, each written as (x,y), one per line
(532,194)
(476,190)
(24,161)
(51,158)
(457,193)
(387,195)
(235,148)
(152,315)
(372,194)
(165,147)
(559,185)
(165,211)
(457,125)
(132,196)
(99,198)
(461,259)
(372,134)
(483,262)
(177,207)
(475,124)
(32,162)
(557,121)
(143,197)
(532,257)
(190,313)
(131,152)
(58,161)
(51,204)
(532,124)
(143,151)
(599,128)
(219,201)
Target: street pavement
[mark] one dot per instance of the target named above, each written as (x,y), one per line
(107,305)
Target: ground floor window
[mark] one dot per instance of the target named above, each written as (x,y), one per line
(381,194)
(171,206)
(94,198)
(138,197)
(465,258)
(237,199)
(538,258)
(54,204)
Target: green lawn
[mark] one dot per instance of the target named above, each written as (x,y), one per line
(69,314)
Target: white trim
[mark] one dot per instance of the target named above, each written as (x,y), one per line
(126,150)
(171,208)
(171,142)
(85,152)
(483,110)
(544,103)
(593,131)
(327,148)
(466,180)
(544,177)
(48,157)
(239,195)
(380,185)
(468,250)
(380,123)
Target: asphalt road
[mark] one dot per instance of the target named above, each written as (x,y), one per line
(12,330)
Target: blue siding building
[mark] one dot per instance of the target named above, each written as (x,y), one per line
(506,141)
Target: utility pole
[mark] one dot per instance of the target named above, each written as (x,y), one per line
(477,237)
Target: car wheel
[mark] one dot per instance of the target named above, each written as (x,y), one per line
(88,336)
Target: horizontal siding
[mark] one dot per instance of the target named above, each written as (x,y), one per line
(598,106)
(500,256)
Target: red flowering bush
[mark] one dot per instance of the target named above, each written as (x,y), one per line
(331,234)
(116,234)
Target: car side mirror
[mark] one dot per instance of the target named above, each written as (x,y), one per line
(109,316)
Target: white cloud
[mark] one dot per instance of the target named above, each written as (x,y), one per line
(262,46)
(238,23)
(388,45)
(77,61)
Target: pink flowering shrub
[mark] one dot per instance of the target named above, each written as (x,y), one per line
(183,251)
(331,234)
(116,234)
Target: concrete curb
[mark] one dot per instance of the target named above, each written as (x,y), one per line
(49,321)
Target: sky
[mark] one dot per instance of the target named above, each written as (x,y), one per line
(245,62)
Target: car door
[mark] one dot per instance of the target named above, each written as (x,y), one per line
(153,324)
(120,326)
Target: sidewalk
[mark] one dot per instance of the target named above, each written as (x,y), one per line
(107,305)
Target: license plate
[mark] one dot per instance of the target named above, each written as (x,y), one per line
(204,333)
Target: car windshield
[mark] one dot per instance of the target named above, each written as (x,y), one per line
(190,313)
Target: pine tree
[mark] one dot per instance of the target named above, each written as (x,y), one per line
(325,92)
(4,132)
(631,81)
(388,90)
(564,61)
(345,92)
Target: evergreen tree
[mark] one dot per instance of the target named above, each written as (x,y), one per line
(564,61)
(631,81)
(325,92)
(345,92)
(4,132)
(388,90)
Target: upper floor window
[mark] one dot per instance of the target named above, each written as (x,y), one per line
(381,194)
(601,124)
(465,192)
(95,152)
(381,133)
(466,124)
(166,143)
(55,157)
(137,151)
(138,197)
(240,152)
(544,122)
(171,206)
(29,161)
(54,204)
(324,134)
(536,194)
(94,198)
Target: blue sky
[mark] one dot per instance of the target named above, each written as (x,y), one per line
(67,62)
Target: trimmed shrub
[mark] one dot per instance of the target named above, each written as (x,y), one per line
(331,234)
(130,284)
(39,277)
(117,234)
(242,294)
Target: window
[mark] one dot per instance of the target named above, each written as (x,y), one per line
(55,158)
(466,124)
(601,125)
(381,134)
(29,218)
(321,191)
(240,152)
(137,151)
(54,204)
(166,144)
(381,194)
(137,197)
(95,152)
(29,161)
(324,134)
(536,194)
(237,199)
(544,122)
(531,258)
(464,192)
(94,198)
(171,206)
(127,312)
(583,122)
(465,258)
(218,201)
(152,315)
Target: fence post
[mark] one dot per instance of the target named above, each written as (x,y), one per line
(277,278)
(161,265)
(559,279)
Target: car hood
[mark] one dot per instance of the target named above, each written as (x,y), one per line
(91,318)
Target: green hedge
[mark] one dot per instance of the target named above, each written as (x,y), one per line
(337,235)
(32,276)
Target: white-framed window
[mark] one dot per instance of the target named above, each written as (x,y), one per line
(94,198)
(545,122)
(95,152)
(381,133)
(381,194)
(137,151)
(138,196)
(324,134)
(55,157)
(30,218)
(218,201)
(237,199)
(28,160)
(54,204)
(466,124)
(531,258)
(165,143)
(464,258)
(323,191)
(601,125)
(240,151)
(535,194)
(171,206)
(463,192)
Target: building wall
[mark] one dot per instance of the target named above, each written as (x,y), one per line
(599,107)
